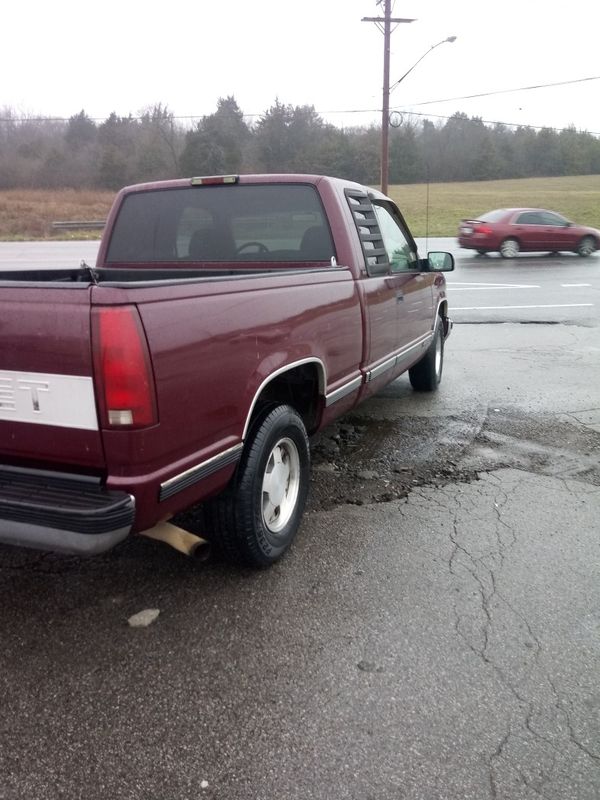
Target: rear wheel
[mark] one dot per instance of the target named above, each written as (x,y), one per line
(256,519)
(426,374)
(482,252)
(509,248)
(586,246)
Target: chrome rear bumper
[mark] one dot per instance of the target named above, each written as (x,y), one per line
(61,512)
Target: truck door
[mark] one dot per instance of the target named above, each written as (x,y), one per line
(397,297)
(381,293)
(414,290)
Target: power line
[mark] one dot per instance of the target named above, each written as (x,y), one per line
(355,110)
(330,112)
(490,122)
(463,97)
(508,91)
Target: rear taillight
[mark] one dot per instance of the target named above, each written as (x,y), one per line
(484,230)
(124,379)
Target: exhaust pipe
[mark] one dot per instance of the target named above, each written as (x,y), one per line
(185,542)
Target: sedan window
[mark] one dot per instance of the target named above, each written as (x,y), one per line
(548,218)
(529,218)
(493,216)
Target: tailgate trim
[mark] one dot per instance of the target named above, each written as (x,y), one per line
(40,398)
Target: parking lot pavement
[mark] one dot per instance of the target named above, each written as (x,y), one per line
(442,646)
(434,633)
(468,665)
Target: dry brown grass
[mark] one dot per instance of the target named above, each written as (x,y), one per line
(29,213)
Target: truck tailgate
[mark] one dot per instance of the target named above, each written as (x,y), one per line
(47,404)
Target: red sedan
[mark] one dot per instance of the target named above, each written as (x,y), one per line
(510,231)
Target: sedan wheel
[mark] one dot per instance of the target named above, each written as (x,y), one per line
(586,246)
(509,248)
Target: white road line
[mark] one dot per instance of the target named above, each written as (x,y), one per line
(451,284)
(484,288)
(573,285)
(499,308)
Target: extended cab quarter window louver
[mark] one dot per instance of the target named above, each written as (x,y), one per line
(376,257)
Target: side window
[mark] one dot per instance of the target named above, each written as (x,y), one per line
(548,218)
(400,254)
(529,218)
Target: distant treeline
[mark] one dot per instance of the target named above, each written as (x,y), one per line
(82,153)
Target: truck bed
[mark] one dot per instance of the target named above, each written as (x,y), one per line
(152,275)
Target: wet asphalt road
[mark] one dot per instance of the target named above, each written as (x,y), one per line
(434,633)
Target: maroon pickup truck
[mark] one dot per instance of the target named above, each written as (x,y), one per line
(226,320)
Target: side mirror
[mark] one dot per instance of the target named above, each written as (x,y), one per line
(438,261)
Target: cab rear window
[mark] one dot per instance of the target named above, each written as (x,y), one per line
(239,223)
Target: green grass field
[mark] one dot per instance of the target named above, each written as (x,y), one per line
(577,198)
(28,214)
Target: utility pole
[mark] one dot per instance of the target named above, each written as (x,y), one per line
(385,25)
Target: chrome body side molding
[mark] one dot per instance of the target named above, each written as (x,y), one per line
(195,474)
(343,391)
(422,343)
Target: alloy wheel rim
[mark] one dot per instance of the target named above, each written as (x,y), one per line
(510,249)
(281,485)
(438,356)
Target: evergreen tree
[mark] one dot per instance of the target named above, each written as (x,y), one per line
(81,132)
(216,146)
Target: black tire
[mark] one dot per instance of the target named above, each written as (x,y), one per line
(586,246)
(509,248)
(256,519)
(426,374)
(482,252)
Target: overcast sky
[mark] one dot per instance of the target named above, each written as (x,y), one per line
(61,56)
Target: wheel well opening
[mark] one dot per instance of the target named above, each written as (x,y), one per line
(297,387)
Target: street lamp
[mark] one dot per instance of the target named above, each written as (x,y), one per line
(386,118)
(433,46)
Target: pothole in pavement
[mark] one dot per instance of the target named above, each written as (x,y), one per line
(361,461)
(364,461)
(544,445)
